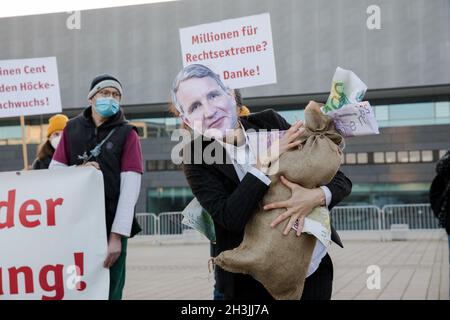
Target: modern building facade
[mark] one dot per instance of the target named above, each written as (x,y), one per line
(406,65)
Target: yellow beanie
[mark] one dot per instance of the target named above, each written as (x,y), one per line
(56,123)
(244,111)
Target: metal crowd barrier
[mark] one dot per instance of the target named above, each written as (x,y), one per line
(357,218)
(170,223)
(149,223)
(415,216)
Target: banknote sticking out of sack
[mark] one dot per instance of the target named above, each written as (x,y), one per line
(355,119)
(277,261)
(352,116)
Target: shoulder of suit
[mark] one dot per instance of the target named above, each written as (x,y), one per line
(268,113)
(268,119)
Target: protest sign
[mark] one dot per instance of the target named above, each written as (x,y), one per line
(29,87)
(53,235)
(239,50)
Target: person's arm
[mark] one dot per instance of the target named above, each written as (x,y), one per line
(340,187)
(328,196)
(304,200)
(130,185)
(229,210)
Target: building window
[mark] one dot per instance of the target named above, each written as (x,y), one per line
(409,111)
(378,157)
(391,157)
(414,156)
(12,135)
(362,158)
(151,165)
(402,156)
(413,114)
(162,165)
(350,158)
(382,113)
(156,127)
(293,115)
(171,166)
(442,109)
(427,156)
(167,199)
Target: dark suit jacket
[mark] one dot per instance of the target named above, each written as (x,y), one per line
(230,202)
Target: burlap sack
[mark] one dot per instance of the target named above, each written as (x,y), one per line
(281,262)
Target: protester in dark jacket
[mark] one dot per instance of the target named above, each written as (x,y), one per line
(440,192)
(101,137)
(440,196)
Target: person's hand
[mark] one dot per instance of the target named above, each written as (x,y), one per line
(92,164)
(114,250)
(288,141)
(298,206)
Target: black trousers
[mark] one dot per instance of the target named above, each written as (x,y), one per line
(318,286)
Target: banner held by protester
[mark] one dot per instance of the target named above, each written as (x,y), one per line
(53,223)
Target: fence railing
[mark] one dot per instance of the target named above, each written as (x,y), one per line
(170,223)
(149,223)
(357,218)
(416,216)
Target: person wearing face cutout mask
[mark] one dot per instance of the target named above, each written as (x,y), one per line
(230,185)
(101,137)
(45,152)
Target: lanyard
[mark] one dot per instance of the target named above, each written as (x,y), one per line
(95,152)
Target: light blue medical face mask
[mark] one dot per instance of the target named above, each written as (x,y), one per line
(106,107)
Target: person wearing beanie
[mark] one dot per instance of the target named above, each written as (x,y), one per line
(101,137)
(56,125)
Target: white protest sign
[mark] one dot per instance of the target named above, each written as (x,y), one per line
(239,50)
(53,235)
(29,87)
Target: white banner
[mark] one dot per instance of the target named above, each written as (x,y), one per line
(29,87)
(53,235)
(239,50)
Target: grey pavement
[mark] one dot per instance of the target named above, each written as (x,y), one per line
(417,268)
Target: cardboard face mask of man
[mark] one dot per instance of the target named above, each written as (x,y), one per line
(205,104)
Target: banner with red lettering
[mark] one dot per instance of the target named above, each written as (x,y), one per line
(53,235)
(29,87)
(239,50)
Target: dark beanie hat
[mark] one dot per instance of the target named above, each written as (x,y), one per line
(103,81)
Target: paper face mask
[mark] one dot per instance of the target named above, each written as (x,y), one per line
(207,108)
